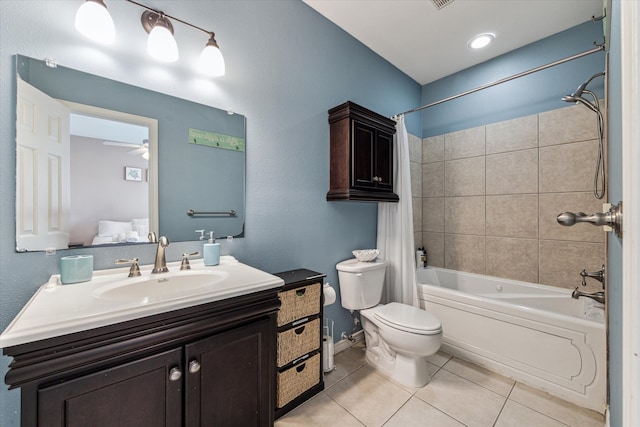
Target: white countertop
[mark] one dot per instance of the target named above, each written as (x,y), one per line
(57,309)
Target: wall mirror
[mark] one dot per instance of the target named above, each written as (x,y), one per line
(120,162)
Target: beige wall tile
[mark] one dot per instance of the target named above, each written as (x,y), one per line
(416,179)
(465,177)
(518,175)
(464,143)
(433,149)
(464,215)
(434,244)
(415,149)
(561,263)
(568,167)
(416,204)
(464,253)
(433,179)
(569,124)
(417,239)
(512,135)
(433,214)
(553,204)
(513,216)
(515,259)
(513,173)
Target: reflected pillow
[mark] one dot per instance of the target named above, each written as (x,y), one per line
(111,228)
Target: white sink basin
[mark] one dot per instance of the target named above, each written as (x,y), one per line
(111,297)
(163,286)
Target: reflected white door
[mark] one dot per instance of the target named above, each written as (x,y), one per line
(42,170)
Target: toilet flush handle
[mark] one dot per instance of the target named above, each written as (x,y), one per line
(358,274)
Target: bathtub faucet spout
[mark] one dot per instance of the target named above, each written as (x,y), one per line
(596,296)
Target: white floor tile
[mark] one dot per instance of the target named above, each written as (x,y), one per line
(320,411)
(516,415)
(555,408)
(481,376)
(469,403)
(418,413)
(368,396)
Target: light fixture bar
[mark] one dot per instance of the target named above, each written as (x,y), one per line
(169,16)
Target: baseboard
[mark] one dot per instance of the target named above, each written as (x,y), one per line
(346,343)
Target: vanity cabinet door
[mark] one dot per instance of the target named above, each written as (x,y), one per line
(372,152)
(145,392)
(230,379)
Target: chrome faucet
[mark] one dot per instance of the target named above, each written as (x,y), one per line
(596,296)
(598,275)
(160,265)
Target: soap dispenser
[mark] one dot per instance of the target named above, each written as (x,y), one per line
(211,251)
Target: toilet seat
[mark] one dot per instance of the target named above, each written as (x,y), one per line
(408,318)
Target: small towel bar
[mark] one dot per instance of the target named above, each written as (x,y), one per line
(191,212)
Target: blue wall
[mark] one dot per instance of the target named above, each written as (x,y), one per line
(286,66)
(527,95)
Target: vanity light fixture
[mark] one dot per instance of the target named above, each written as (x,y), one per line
(211,60)
(94,21)
(161,44)
(481,40)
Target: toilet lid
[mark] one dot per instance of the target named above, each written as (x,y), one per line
(408,318)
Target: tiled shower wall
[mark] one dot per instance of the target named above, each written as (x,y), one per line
(486,199)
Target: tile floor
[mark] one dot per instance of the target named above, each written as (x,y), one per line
(459,394)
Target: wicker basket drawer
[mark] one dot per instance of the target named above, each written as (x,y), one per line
(298,379)
(298,341)
(298,303)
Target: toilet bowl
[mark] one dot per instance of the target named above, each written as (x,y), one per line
(398,337)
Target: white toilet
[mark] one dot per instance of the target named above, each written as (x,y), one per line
(399,337)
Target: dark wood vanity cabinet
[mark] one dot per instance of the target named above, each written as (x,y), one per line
(208,365)
(361,164)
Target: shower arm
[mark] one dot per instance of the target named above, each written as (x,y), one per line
(612,218)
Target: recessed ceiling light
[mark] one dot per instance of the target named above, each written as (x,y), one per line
(481,40)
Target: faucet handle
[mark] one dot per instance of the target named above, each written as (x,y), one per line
(185,260)
(134,271)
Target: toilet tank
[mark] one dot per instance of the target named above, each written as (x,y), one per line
(361,283)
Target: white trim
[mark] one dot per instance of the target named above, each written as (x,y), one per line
(630,103)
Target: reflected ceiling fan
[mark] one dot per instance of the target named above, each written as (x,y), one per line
(142,149)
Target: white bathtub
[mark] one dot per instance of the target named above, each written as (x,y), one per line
(535,334)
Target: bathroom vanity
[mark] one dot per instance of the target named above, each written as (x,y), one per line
(111,353)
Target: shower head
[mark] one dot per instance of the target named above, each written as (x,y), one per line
(589,105)
(578,93)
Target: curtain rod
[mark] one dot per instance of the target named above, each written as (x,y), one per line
(506,79)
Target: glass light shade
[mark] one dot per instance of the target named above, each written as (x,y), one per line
(94,21)
(161,45)
(211,61)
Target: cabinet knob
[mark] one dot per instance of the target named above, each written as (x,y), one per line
(175,374)
(194,366)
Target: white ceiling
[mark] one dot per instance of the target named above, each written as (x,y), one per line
(428,44)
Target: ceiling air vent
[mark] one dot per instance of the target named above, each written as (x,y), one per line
(439,4)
